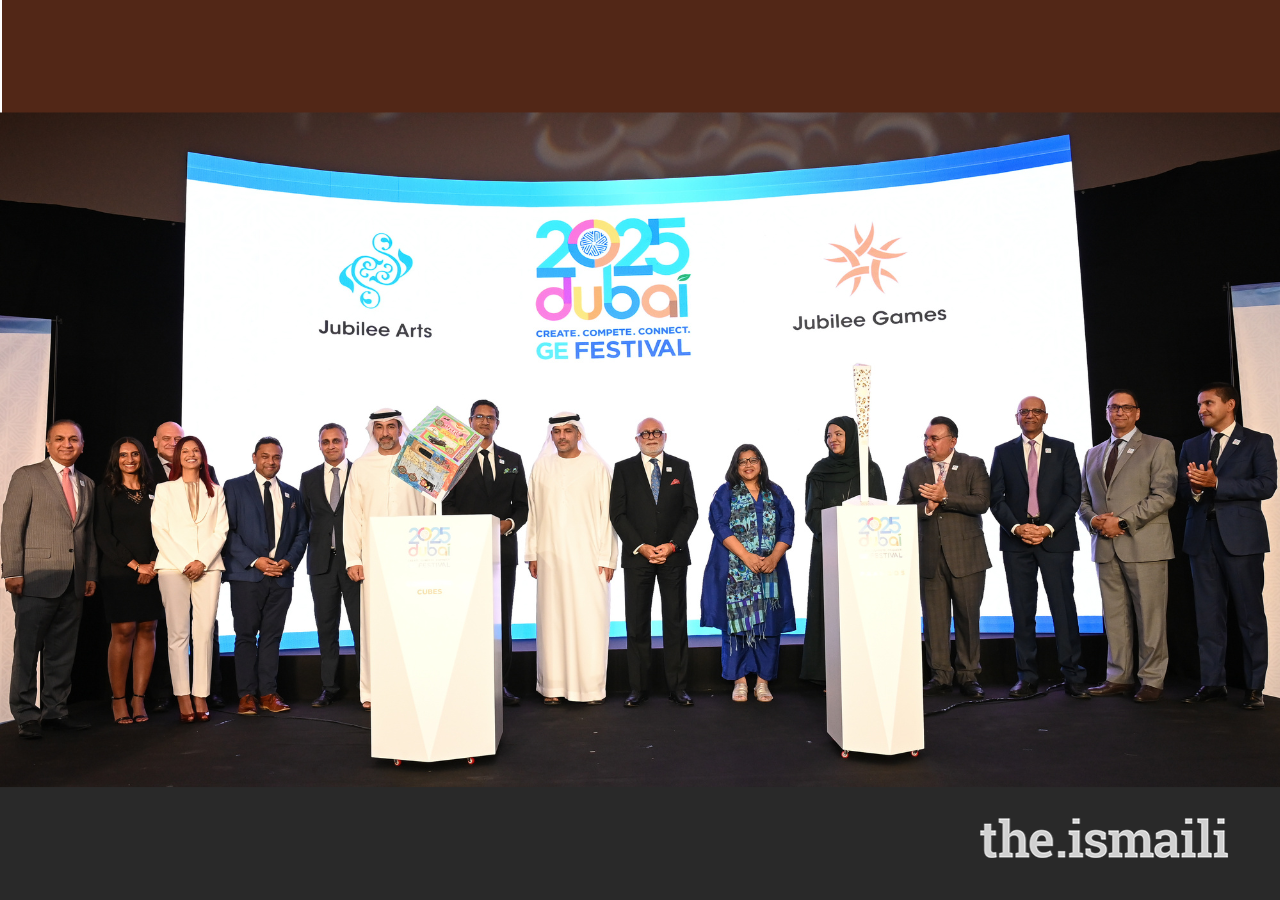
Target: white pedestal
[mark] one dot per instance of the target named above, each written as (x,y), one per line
(871,588)
(435,636)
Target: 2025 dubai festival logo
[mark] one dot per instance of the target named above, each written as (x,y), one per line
(600,269)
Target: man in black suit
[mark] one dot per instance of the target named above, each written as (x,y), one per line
(1035,492)
(160,688)
(494,484)
(324,493)
(1224,476)
(653,510)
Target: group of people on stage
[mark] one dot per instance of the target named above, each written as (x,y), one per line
(160,533)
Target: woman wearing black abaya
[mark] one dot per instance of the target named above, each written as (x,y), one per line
(831,482)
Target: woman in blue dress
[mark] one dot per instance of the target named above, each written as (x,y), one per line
(746,588)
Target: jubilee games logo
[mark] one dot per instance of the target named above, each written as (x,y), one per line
(866,259)
(629,279)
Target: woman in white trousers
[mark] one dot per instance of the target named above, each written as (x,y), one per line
(189,522)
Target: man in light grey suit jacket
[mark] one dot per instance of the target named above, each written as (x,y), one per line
(952,490)
(50,564)
(1130,482)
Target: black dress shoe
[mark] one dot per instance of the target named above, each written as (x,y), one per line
(509,699)
(972,689)
(215,702)
(160,704)
(1024,688)
(66,723)
(681,698)
(1206,693)
(326,697)
(30,730)
(1078,691)
(1253,700)
(635,698)
(933,687)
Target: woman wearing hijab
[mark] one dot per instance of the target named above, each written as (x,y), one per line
(831,481)
(746,587)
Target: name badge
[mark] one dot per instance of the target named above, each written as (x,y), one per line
(1130,451)
(1236,441)
(151,496)
(955,467)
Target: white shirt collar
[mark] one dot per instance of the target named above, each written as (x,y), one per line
(1227,432)
(661,458)
(945,462)
(58,467)
(1125,438)
(261,480)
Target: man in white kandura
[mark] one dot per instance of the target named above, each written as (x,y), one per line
(572,551)
(374,490)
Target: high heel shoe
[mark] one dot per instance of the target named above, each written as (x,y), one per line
(187,718)
(140,717)
(202,715)
(122,720)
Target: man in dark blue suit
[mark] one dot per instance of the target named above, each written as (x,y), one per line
(266,537)
(1225,474)
(1035,492)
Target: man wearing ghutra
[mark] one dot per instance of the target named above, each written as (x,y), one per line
(572,551)
(374,490)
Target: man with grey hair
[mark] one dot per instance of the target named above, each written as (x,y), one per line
(324,495)
(50,563)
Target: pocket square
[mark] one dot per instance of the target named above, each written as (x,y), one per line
(674,481)
(292,505)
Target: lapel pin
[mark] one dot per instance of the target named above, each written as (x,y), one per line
(955,468)
(1132,449)
(1048,449)
(668,468)
(1236,441)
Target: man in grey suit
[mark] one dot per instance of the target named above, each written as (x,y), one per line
(1130,482)
(50,565)
(951,491)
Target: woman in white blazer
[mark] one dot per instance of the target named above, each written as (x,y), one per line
(189,522)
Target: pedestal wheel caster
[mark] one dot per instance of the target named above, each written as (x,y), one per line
(844,754)
(915,752)
(471,760)
(397,762)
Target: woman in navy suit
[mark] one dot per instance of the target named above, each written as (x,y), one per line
(746,587)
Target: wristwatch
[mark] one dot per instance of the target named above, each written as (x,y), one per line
(1124,526)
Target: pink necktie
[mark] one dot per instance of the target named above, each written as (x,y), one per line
(1033,481)
(942,472)
(69,491)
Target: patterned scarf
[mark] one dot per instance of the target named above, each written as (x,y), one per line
(748,592)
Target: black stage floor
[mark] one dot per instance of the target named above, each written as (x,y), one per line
(1047,741)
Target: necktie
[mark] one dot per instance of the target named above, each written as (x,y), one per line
(485,469)
(69,491)
(1033,482)
(269,510)
(335,496)
(655,479)
(1111,461)
(942,471)
(1213,451)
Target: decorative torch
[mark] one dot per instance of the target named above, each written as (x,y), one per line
(862,395)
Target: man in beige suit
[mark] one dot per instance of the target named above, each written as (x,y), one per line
(50,565)
(1130,481)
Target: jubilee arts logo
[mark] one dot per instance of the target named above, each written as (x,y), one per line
(366,274)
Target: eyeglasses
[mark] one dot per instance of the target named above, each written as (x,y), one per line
(484,418)
(650,434)
(1031,412)
(1114,408)
(750,461)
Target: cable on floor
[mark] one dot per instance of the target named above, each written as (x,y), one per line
(1043,693)
(284,718)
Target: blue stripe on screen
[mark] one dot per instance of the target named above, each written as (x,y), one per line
(17,325)
(996,625)
(896,173)
(1255,295)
